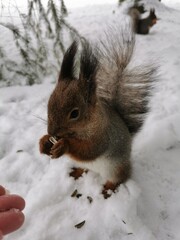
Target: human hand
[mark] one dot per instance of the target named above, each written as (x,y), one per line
(11,217)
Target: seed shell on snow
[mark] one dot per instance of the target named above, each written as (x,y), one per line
(74,194)
(90,199)
(19,151)
(80,225)
(79,195)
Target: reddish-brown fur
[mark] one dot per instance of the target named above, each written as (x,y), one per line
(45,145)
(89,126)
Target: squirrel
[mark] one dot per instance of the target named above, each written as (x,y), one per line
(94,116)
(142,26)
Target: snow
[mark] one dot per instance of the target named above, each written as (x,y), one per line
(147,206)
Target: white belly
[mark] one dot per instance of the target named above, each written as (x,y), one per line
(107,168)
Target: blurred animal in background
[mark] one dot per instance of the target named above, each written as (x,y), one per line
(142,26)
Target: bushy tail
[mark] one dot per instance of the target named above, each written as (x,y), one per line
(125,87)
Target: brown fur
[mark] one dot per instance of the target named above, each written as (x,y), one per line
(95,115)
(125,172)
(45,145)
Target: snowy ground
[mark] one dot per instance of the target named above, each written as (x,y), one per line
(147,206)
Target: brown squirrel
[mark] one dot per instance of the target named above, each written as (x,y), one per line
(142,26)
(93,116)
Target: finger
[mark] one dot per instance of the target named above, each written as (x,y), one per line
(11,201)
(1,236)
(2,190)
(11,220)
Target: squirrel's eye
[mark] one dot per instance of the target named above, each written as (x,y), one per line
(74,115)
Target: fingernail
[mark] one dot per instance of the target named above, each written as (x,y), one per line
(14,210)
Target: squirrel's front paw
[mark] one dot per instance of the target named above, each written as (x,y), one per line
(58,149)
(45,145)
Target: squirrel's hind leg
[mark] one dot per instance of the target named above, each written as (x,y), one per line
(122,175)
(109,186)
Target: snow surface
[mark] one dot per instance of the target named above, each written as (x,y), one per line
(146,207)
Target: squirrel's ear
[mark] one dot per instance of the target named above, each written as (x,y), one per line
(88,70)
(152,11)
(67,67)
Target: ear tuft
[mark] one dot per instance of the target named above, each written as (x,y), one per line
(88,69)
(152,11)
(67,67)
